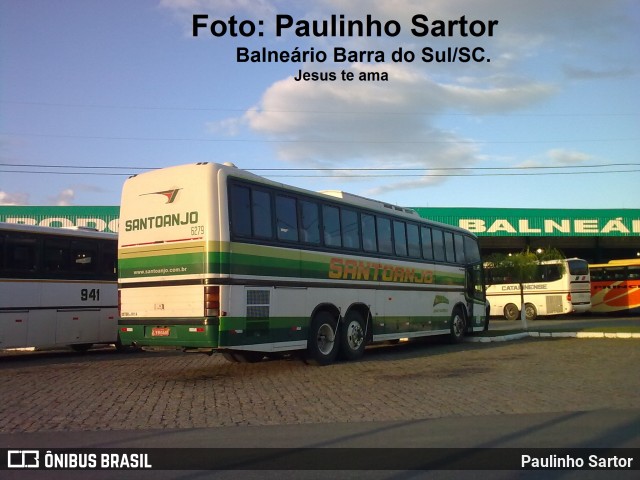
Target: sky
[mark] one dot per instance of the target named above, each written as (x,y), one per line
(93,91)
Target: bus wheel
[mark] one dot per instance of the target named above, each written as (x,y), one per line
(457,327)
(352,339)
(322,346)
(511,312)
(81,347)
(530,311)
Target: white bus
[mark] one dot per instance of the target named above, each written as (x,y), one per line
(58,287)
(214,258)
(560,287)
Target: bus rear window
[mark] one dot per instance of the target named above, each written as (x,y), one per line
(578,267)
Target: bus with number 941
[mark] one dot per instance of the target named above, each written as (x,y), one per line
(58,287)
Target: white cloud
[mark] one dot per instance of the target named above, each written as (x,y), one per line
(64,198)
(7,198)
(558,157)
(379,124)
(561,156)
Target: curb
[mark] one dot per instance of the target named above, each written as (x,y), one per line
(519,336)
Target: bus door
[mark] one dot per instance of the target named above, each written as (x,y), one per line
(475,295)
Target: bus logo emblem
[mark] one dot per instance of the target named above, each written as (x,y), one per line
(170,194)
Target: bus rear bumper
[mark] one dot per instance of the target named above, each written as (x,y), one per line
(581,308)
(195,336)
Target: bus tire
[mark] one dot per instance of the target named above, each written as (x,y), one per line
(530,311)
(352,336)
(457,326)
(511,311)
(322,345)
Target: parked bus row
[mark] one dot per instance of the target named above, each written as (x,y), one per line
(569,286)
(213,258)
(58,287)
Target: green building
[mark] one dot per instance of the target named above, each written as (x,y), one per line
(595,235)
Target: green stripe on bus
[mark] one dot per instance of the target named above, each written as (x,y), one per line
(263,261)
(162,265)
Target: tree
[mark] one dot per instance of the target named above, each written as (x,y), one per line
(521,268)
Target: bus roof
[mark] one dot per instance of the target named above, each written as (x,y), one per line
(229,169)
(625,262)
(367,202)
(64,231)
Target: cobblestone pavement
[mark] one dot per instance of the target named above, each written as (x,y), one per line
(106,390)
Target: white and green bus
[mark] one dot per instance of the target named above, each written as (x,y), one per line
(214,258)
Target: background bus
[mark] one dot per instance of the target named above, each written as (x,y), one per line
(212,257)
(615,286)
(559,287)
(58,287)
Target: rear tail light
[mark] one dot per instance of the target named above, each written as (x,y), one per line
(568,297)
(211,301)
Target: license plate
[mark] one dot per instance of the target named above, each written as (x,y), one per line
(160,332)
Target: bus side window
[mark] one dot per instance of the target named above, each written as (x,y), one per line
(400,238)
(472,250)
(286,218)
(459,246)
(261,214)
(21,254)
(448,247)
(438,244)
(331,226)
(84,256)
(350,230)
(384,235)
(596,274)
(108,259)
(618,273)
(413,240)
(633,273)
(309,222)
(427,247)
(369,242)
(56,255)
